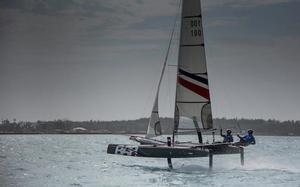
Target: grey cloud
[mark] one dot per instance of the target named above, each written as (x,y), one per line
(102,59)
(243,3)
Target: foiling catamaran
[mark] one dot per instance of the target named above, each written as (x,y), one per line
(192,102)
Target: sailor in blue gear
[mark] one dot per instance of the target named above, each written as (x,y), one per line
(248,139)
(228,137)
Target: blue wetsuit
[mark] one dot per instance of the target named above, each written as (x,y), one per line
(249,139)
(227,138)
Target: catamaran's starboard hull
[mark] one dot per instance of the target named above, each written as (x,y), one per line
(156,151)
(223,148)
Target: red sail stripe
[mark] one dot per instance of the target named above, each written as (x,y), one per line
(203,92)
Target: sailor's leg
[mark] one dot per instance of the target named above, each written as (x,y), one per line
(242,155)
(170,163)
(210,159)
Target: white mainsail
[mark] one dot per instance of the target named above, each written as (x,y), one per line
(192,91)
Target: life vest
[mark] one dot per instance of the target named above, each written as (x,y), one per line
(228,138)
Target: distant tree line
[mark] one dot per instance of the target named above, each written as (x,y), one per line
(139,126)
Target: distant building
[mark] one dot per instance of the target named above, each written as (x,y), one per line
(79,130)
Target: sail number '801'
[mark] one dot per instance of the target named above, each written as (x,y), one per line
(196,28)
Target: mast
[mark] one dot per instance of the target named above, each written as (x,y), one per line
(192,90)
(154,127)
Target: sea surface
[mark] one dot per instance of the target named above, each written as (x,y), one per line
(81,160)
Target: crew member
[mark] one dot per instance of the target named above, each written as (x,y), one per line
(247,139)
(228,137)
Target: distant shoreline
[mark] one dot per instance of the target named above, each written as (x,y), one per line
(139,126)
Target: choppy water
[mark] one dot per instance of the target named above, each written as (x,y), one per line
(81,160)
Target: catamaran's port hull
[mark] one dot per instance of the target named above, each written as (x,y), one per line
(163,151)
(156,151)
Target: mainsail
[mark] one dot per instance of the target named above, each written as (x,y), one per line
(192,91)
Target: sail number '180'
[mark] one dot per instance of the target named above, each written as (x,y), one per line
(195,28)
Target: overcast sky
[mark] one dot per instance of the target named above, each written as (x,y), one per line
(100,59)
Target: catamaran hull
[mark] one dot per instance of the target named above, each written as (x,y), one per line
(156,151)
(223,148)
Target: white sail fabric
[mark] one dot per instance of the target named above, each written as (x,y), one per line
(192,90)
(154,128)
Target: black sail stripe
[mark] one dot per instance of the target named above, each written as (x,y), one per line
(194,77)
(192,102)
(192,45)
(195,16)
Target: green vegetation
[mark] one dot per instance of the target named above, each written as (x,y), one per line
(139,126)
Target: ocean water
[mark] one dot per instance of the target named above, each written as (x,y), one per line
(81,160)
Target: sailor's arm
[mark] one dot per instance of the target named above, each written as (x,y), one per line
(221,133)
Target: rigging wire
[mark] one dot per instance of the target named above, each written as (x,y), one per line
(167,54)
(169,47)
(167,57)
(171,73)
